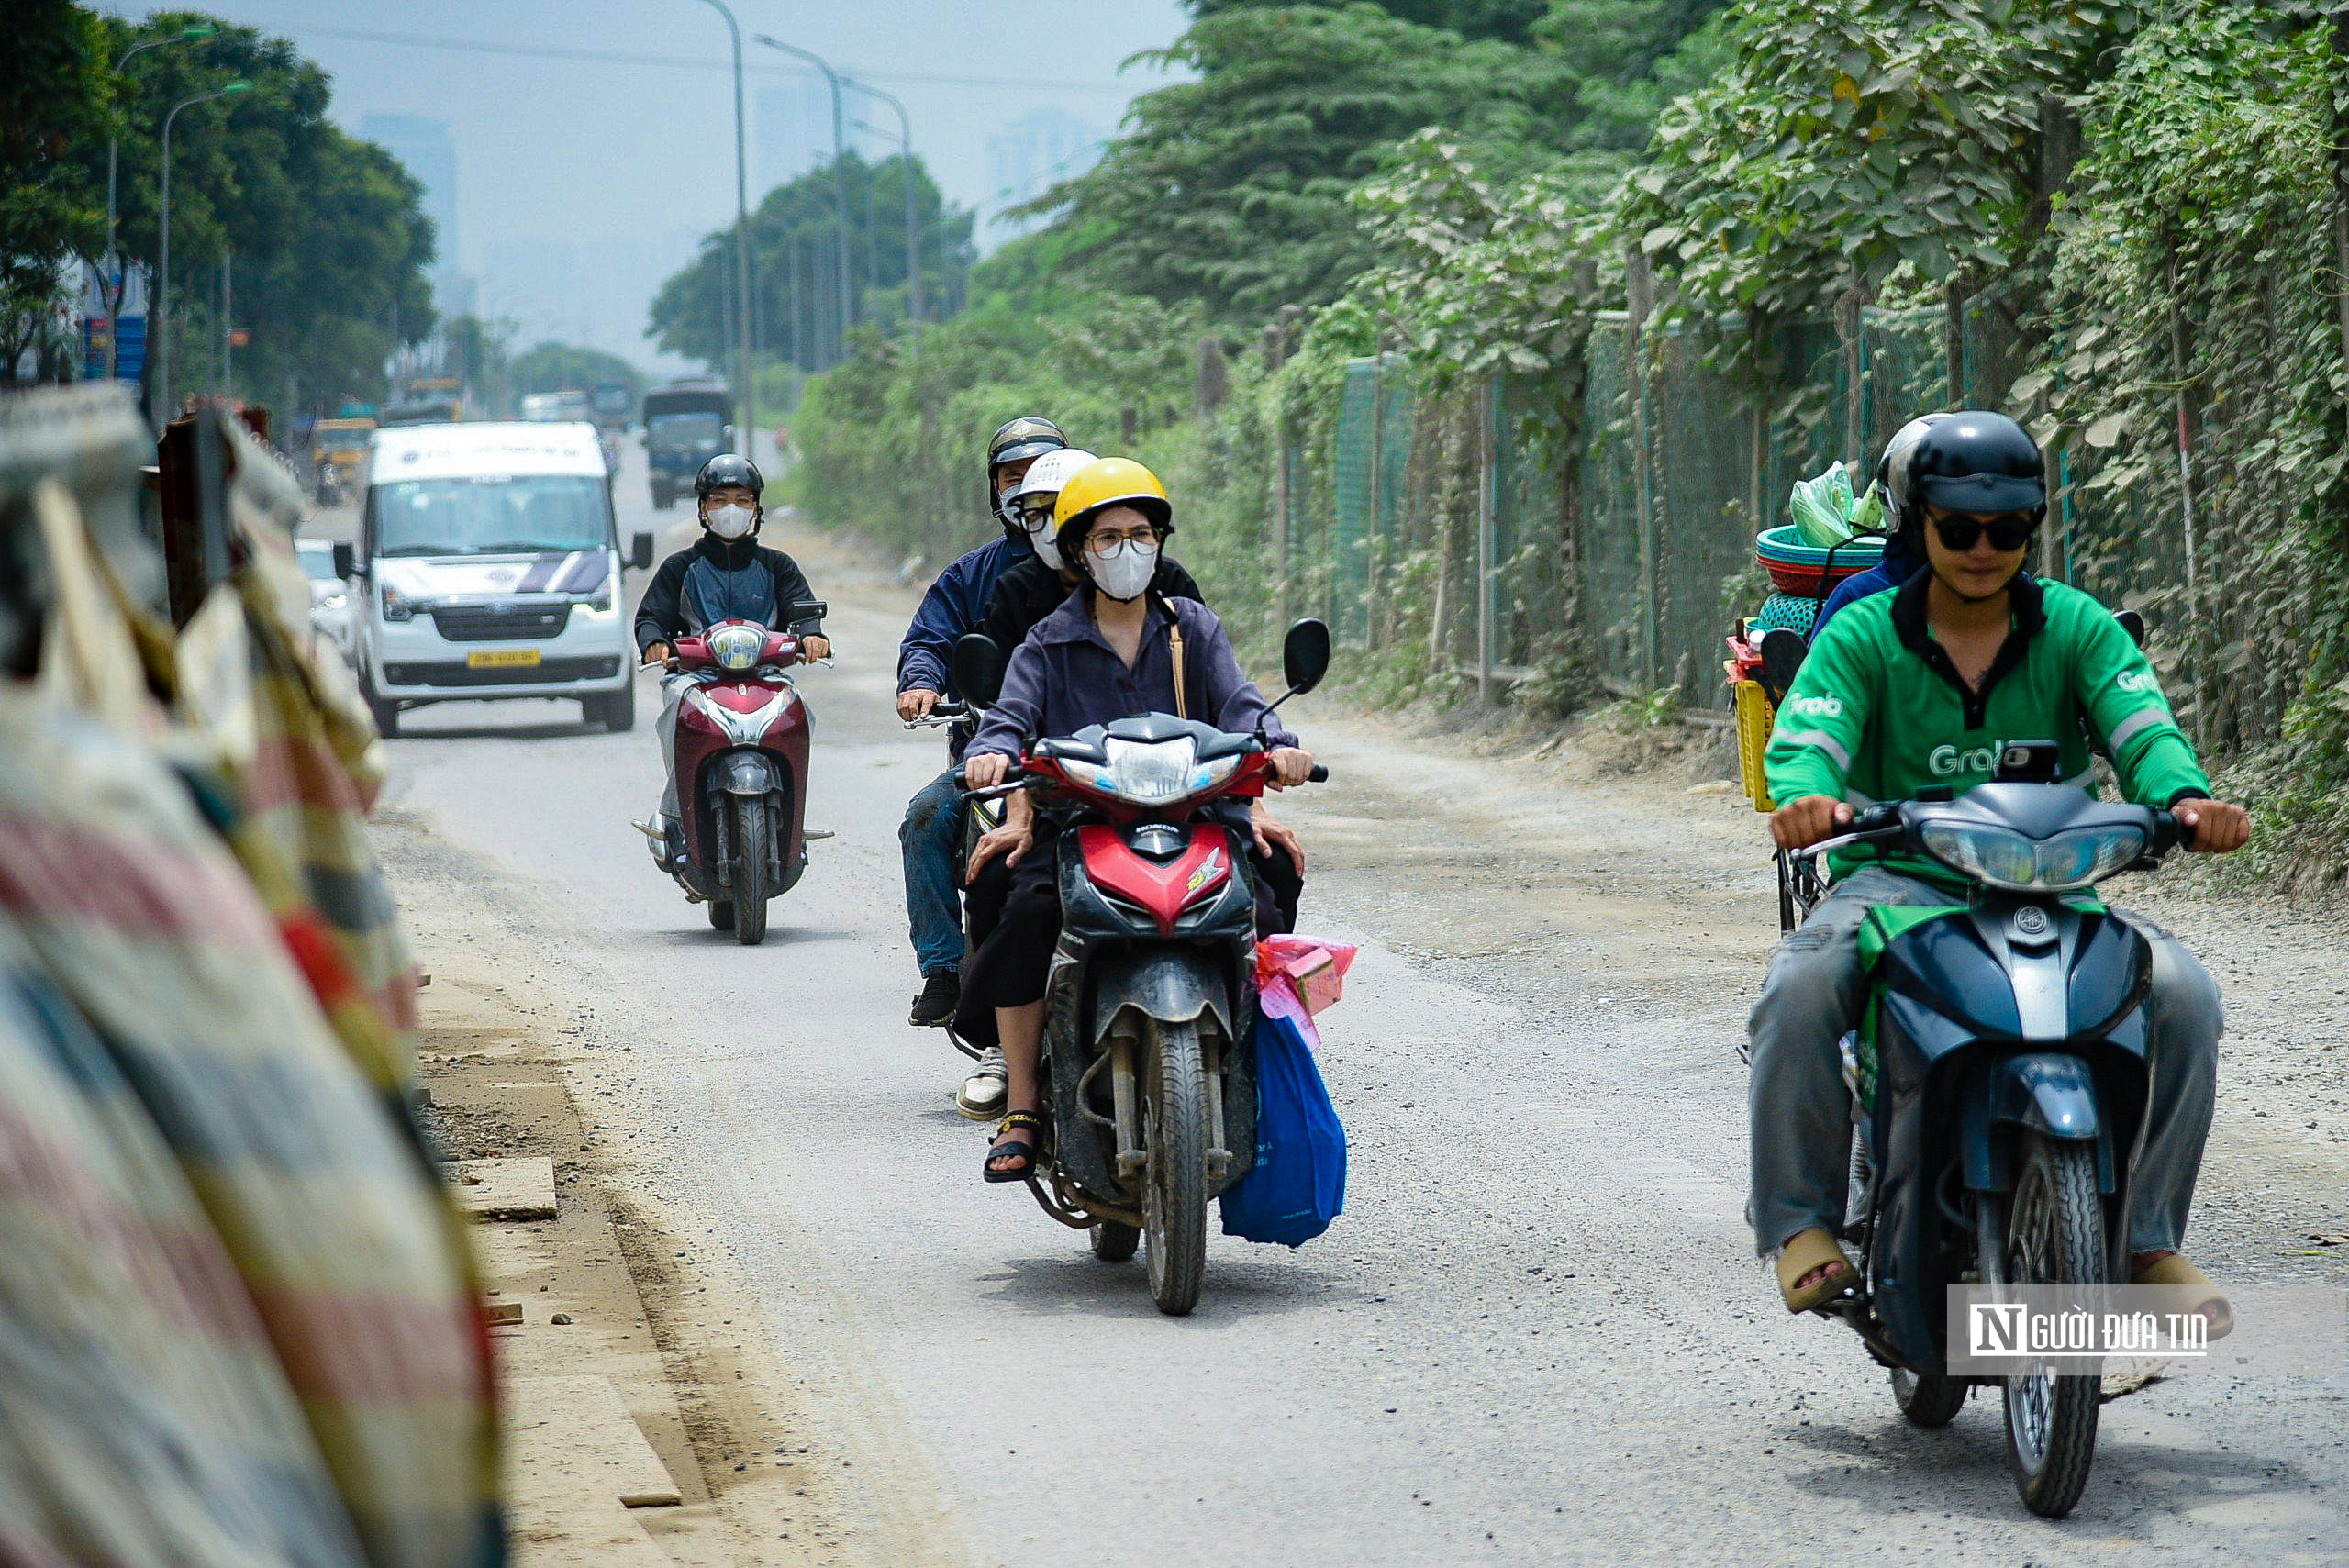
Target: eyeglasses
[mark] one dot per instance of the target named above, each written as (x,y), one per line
(1036,509)
(1106,544)
(1961,534)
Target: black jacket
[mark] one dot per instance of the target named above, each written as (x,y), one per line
(661,616)
(1029,590)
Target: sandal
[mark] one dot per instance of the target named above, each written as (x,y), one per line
(1804,1252)
(2181,1276)
(1024,1149)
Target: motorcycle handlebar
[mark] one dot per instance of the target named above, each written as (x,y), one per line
(1320,773)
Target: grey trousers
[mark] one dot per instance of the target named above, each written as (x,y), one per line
(674,688)
(1801,1112)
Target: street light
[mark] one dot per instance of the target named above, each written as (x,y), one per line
(160,323)
(192,33)
(741,240)
(913,244)
(840,161)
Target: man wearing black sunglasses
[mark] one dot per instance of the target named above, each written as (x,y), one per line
(1920,688)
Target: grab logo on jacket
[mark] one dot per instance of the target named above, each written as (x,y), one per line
(1817,707)
(2137,680)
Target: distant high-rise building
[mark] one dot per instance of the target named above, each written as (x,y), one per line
(430,153)
(1030,156)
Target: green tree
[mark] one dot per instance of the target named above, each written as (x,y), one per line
(794,231)
(1514,21)
(1229,190)
(327,233)
(562,367)
(53,99)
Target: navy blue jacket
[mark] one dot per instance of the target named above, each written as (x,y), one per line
(1902,557)
(956,604)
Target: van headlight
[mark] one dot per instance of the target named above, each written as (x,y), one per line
(599,607)
(398,605)
(2006,859)
(736,647)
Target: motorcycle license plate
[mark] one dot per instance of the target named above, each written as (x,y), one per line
(502,659)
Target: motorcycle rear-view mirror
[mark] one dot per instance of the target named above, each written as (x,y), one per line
(978,668)
(1304,656)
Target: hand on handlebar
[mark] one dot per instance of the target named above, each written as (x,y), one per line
(916,704)
(1799,824)
(1290,765)
(661,654)
(2213,827)
(984,769)
(815,645)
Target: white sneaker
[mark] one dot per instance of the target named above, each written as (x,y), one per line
(981,1097)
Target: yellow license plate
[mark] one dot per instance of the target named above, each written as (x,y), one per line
(502,659)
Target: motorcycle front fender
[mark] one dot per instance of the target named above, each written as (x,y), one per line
(2050,1092)
(747,773)
(1174,984)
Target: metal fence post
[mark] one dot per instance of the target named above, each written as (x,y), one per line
(1639,299)
(1487,411)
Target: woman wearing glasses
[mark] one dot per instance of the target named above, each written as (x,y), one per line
(1112,650)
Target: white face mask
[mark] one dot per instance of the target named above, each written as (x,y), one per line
(731,522)
(1041,539)
(1126,574)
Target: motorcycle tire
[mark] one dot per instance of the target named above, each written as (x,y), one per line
(1174,1191)
(754,826)
(1928,1399)
(721,913)
(2054,1235)
(1114,1240)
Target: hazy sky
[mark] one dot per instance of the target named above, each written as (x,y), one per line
(614,165)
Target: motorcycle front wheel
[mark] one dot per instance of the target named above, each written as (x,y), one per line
(1175,1197)
(2054,1235)
(752,823)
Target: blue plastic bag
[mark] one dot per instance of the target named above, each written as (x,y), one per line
(1298,1184)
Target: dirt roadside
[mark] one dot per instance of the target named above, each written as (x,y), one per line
(602,1290)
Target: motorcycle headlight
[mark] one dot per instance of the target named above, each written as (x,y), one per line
(736,647)
(2006,859)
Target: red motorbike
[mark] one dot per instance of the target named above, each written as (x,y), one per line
(1148,1067)
(741,761)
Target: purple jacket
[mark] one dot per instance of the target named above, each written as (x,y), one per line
(1066,676)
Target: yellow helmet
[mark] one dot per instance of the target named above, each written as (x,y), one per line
(1107,482)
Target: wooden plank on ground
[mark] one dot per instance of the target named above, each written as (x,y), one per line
(576,1428)
(504,1189)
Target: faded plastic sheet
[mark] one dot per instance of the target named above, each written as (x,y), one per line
(131,908)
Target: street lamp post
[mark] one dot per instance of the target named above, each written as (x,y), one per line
(193,32)
(840,161)
(913,241)
(160,322)
(741,241)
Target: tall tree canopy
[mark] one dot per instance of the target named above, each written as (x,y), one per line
(53,99)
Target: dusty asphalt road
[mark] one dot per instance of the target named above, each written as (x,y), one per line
(1538,1335)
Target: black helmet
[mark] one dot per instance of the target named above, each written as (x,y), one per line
(1895,471)
(728,471)
(1976,461)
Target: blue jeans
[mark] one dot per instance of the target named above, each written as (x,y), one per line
(930,837)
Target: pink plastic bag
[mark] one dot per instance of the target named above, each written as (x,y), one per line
(1302,971)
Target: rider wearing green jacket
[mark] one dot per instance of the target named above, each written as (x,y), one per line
(1921,686)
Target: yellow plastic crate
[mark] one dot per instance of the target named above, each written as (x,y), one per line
(1756,714)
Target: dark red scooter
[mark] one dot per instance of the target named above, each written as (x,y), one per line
(1148,1063)
(741,761)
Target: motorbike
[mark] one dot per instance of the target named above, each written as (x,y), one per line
(1999,1085)
(1148,1075)
(741,769)
(334,487)
(979,819)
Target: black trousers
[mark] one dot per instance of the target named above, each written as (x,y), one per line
(1015,915)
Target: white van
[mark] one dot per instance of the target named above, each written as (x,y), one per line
(488,567)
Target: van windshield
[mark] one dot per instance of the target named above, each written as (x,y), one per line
(491,515)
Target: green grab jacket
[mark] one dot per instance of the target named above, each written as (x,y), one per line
(1878,711)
